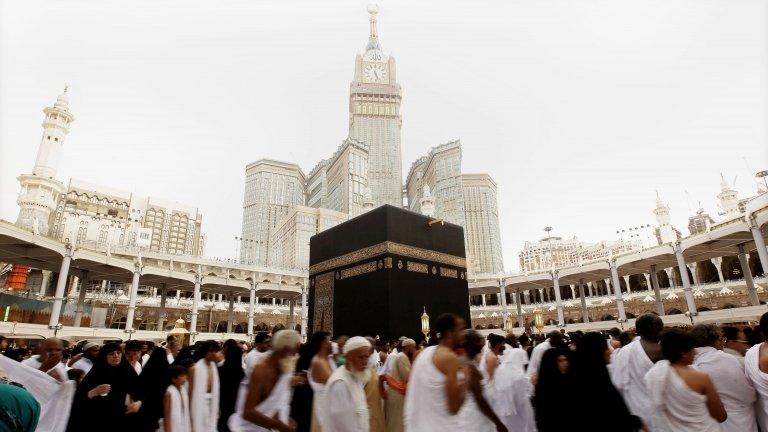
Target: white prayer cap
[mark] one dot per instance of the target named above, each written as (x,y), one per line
(285,339)
(356,342)
(408,342)
(90,345)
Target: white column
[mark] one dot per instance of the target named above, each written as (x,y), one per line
(81,301)
(589,287)
(251,308)
(503,302)
(656,291)
(648,281)
(304,313)
(573,292)
(132,298)
(61,285)
(670,277)
(520,322)
(762,252)
(195,305)
(161,312)
(686,282)
(626,282)
(103,288)
(607,281)
(584,312)
(718,263)
(558,301)
(692,266)
(619,298)
(291,320)
(744,261)
(231,316)
(482,297)
(541,295)
(44,284)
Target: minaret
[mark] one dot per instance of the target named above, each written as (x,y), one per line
(729,199)
(40,190)
(664,232)
(427,202)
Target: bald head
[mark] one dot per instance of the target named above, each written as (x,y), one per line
(50,346)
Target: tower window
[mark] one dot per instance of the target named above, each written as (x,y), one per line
(49,137)
(56,139)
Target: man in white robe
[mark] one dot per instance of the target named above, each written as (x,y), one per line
(736,393)
(270,388)
(204,388)
(435,390)
(554,340)
(49,359)
(259,352)
(346,407)
(90,352)
(681,398)
(756,369)
(632,363)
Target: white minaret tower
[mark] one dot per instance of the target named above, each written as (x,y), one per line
(426,202)
(665,233)
(40,190)
(729,199)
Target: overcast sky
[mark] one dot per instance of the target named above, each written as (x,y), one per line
(579,110)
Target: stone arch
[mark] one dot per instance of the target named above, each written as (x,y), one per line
(650,312)
(754,264)
(607,317)
(731,268)
(703,309)
(221,327)
(630,315)
(706,272)
(663,279)
(637,282)
(571,321)
(622,284)
(551,321)
(729,306)
(678,279)
(674,311)
(241,327)
(278,327)
(262,327)
(118,323)
(599,288)
(491,299)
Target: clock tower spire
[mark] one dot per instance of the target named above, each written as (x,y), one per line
(374,117)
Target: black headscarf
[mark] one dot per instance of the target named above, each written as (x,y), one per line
(154,378)
(230,375)
(554,393)
(100,412)
(590,374)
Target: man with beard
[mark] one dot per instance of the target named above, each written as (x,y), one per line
(90,353)
(346,406)
(397,379)
(267,401)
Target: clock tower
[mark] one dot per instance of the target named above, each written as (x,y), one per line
(374,118)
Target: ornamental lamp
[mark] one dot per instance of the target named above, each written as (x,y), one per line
(508,324)
(538,320)
(180,332)
(425,324)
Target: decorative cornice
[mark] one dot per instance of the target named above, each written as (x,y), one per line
(388,247)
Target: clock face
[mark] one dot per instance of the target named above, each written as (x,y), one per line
(373,72)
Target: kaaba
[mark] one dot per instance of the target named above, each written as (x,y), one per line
(376,274)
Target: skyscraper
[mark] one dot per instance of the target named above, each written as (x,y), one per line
(374,118)
(481,223)
(272,189)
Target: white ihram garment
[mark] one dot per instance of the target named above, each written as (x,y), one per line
(759,380)
(628,375)
(735,390)
(180,419)
(205,406)
(59,370)
(345,407)
(512,390)
(676,407)
(84,365)
(278,402)
(318,392)
(54,397)
(470,416)
(536,354)
(426,401)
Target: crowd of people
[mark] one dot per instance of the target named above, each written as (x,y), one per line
(700,378)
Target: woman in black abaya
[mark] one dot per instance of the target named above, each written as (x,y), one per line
(109,395)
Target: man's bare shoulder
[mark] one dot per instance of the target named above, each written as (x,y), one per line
(445,359)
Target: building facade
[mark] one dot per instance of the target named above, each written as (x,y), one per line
(374,118)
(481,224)
(556,252)
(272,189)
(289,240)
(347,178)
(317,186)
